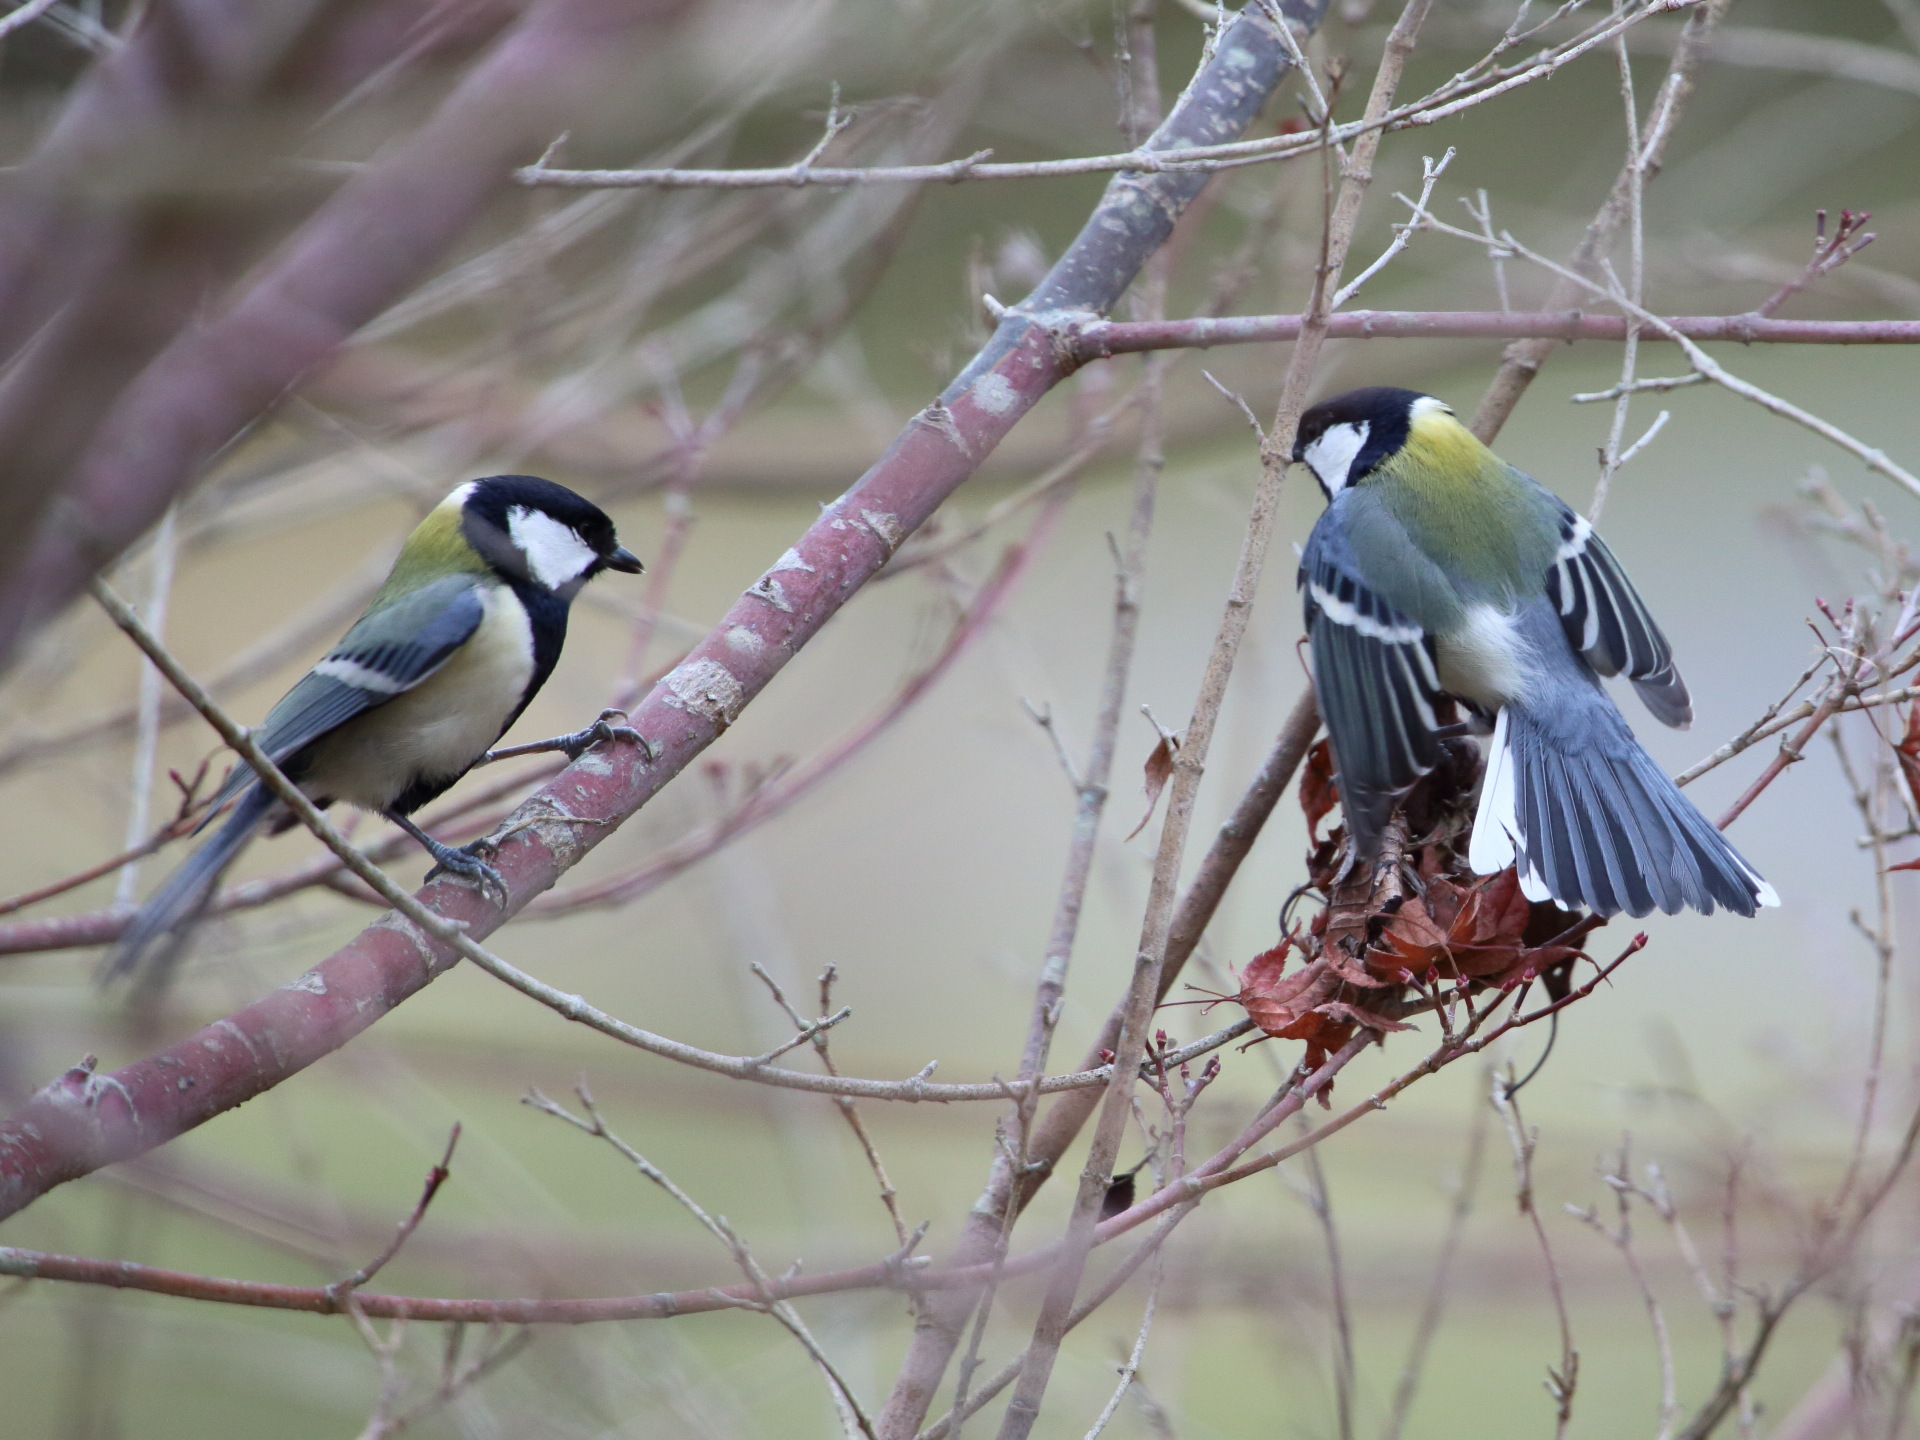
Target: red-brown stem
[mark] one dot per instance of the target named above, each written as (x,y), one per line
(1097,340)
(1789,752)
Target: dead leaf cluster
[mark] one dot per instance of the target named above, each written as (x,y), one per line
(1384,943)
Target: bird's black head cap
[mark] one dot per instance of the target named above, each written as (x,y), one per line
(534,531)
(1342,439)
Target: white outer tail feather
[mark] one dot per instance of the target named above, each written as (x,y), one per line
(1767,894)
(1496,842)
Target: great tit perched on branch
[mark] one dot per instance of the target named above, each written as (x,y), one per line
(1439,570)
(459,639)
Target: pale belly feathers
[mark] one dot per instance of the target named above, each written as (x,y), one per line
(438,728)
(1482,661)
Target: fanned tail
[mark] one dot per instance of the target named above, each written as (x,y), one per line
(1590,820)
(154,939)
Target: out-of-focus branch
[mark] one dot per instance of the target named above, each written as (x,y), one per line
(181,55)
(101,276)
(1765,48)
(1121,337)
(312,627)
(365,245)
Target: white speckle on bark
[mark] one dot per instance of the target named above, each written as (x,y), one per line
(746,641)
(596,761)
(313,983)
(940,418)
(393,920)
(768,589)
(706,687)
(246,1041)
(790,561)
(886,526)
(554,826)
(994,394)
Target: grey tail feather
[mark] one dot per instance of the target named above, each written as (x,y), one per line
(151,945)
(1603,826)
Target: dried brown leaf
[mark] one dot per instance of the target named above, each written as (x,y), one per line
(1908,751)
(1319,791)
(1276,1001)
(1159,770)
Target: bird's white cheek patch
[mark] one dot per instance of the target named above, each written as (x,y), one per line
(555,552)
(1331,453)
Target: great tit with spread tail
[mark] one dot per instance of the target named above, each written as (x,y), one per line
(462,635)
(1439,570)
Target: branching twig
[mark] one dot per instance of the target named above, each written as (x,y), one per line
(1564,1379)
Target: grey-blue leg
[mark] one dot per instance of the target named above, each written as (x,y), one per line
(580,741)
(463,862)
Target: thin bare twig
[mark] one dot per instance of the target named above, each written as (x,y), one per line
(1024,1407)
(852,1413)
(1618,1179)
(1563,1379)
(1523,359)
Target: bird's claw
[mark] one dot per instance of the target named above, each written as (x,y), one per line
(578,743)
(465,863)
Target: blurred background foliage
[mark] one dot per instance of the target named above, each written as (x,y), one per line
(729,360)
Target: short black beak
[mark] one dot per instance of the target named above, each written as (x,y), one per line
(625,561)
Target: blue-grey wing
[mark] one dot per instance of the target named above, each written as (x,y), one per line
(1374,676)
(388,651)
(1609,624)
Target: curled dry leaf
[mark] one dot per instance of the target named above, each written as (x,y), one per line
(1908,751)
(1319,791)
(1159,769)
(1296,1006)
(1489,932)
